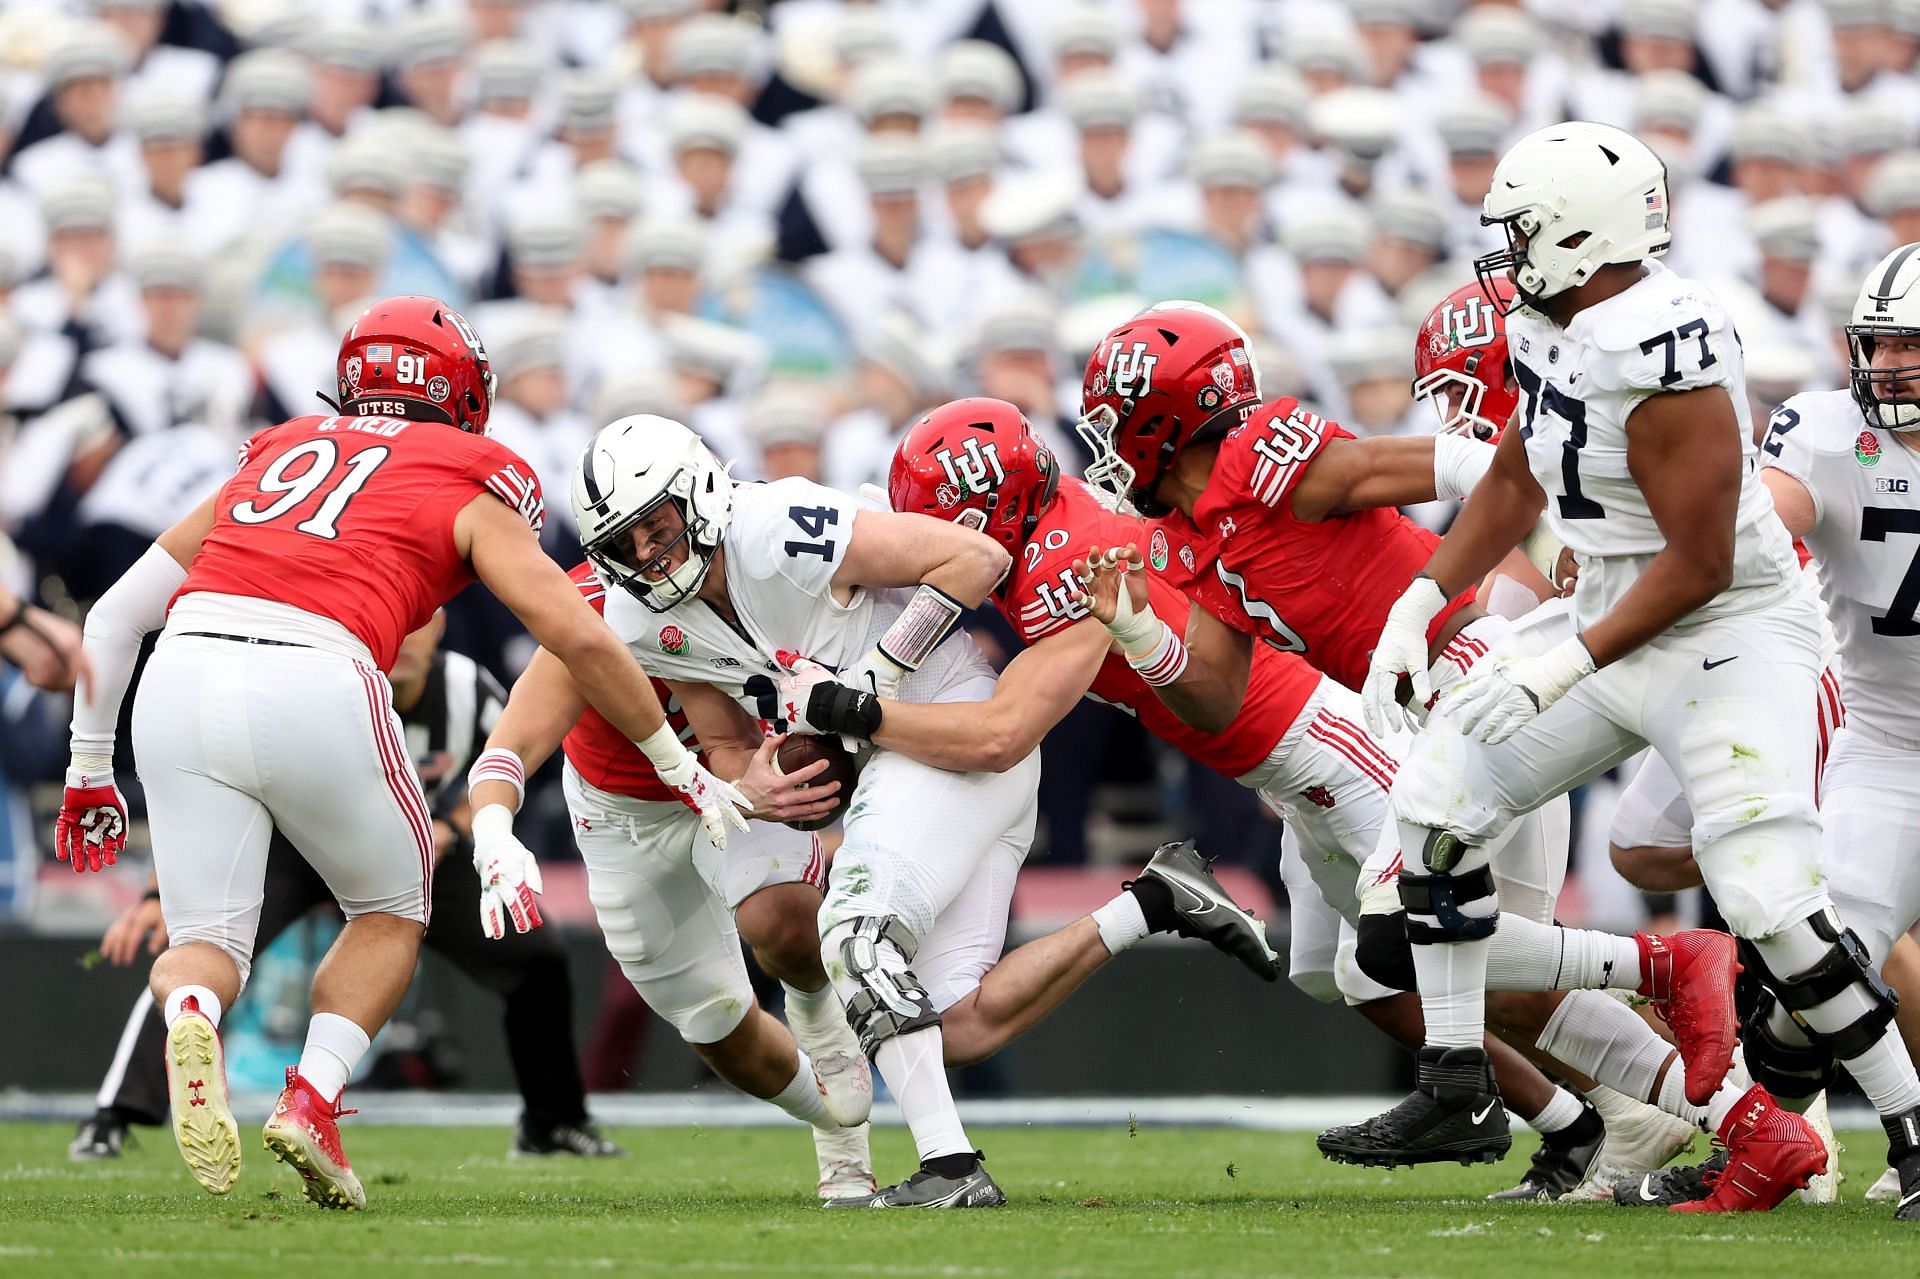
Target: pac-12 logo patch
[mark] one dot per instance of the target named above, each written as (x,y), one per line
(674,640)
(1157,551)
(1866,449)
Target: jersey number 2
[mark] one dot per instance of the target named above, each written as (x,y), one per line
(290,490)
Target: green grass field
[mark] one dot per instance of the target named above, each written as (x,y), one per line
(1085,1202)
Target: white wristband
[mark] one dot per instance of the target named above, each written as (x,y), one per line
(498,765)
(664,748)
(1458,464)
(1164,663)
(491,823)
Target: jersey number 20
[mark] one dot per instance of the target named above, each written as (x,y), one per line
(287,483)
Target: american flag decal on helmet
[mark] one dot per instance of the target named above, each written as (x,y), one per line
(521,492)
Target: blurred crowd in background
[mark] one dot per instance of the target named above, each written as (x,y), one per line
(798,225)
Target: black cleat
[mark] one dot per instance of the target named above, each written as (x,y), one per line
(1556,1170)
(535,1140)
(1665,1187)
(1454,1114)
(100,1137)
(1903,1156)
(1203,909)
(929,1189)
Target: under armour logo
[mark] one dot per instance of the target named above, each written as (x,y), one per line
(1130,370)
(194,1086)
(976,469)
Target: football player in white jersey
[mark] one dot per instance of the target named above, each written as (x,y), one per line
(724,589)
(1687,633)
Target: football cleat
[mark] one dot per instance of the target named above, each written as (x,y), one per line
(1640,1139)
(1771,1152)
(100,1137)
(846,1084)
(1903,1159)
(929,1189)
(1825,1188)
(538,1140)
(1665,1187)
(1557,1169)
(1689,977)
(1454,1114)
(203,1124)
(1204,910)
(1888,1187)
(846,1167)
(304,1132)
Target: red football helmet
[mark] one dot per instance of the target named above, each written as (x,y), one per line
(1460,360)
(1176,374)
(416,357)
(975,462)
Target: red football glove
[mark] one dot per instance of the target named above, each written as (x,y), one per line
(92,828)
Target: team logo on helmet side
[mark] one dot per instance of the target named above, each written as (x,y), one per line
(1465,324)
(976,469)
(1130,370)
(674,640)
(438,389)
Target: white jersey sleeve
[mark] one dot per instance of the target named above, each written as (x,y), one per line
(1865,485)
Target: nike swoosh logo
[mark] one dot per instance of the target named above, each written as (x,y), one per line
(1909,1198)
(1707,666)
(1644,1194)
(1481,1117)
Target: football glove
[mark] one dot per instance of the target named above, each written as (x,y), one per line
(1498,701)
(510,884)
(1402,650)
(92,826)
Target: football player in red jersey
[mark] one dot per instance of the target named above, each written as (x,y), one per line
(674,907)
(284,598)
(1460,362)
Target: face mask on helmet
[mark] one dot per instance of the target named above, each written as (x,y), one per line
(656,581)
(1888,394)
(1456,398)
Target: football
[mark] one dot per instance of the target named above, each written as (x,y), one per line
(800,750)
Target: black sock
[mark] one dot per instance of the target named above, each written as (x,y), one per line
(954,1166)
(1156,903)
(1581,1131)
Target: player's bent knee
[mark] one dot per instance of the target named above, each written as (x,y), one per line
(232,949)
(868,957)
(1384,953)
(701,1012)
(1654,869)
(1449,907)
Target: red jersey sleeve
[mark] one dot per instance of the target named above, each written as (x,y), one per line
(1263,459)
(506,475)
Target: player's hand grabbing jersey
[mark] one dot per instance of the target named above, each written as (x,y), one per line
(1035,601)
(1865,486)
(1321,588)
(1578,387)
(351,518)
(604,755)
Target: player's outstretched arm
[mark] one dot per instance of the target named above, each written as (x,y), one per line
(543,706)
(1349,475)
(506,556)
(1684,452)
(92,826)
(1033,693)
(1201,678)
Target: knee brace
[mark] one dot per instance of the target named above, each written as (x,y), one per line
(885,1003)
(1383,951)
(1793,1071)
(1845,965)
(1439,897)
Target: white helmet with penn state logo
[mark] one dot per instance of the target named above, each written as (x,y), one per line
(1888,307)
(633,466)
(1580,196)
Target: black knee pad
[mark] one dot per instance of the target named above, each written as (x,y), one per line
(1439,897)
(1383,952)
(1785,1070)
(1845,964)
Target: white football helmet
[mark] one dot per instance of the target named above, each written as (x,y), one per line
(1888,306)
(630,468)
(1584,195)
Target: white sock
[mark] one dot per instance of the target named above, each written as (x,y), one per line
(1884,1072)
(914,1068)
(335,1045)
(208,1001)
(1559,1113)
(1598,1035)
(1673,1100)
(1121,923)
(802,1097)
(1525,955)
(1453,992)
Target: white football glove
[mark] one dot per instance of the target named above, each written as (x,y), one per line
(719,803)
(1502,696)
(875,673)
(1402,650)
(510,884)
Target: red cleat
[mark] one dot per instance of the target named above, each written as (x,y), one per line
(1771,1153)
(303,1132)
(1689,977)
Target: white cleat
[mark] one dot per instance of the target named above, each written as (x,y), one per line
(1640,1138)
(1888,1187)
(846,1083)
(1825,1188)
(846,1167)
(197,1090)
